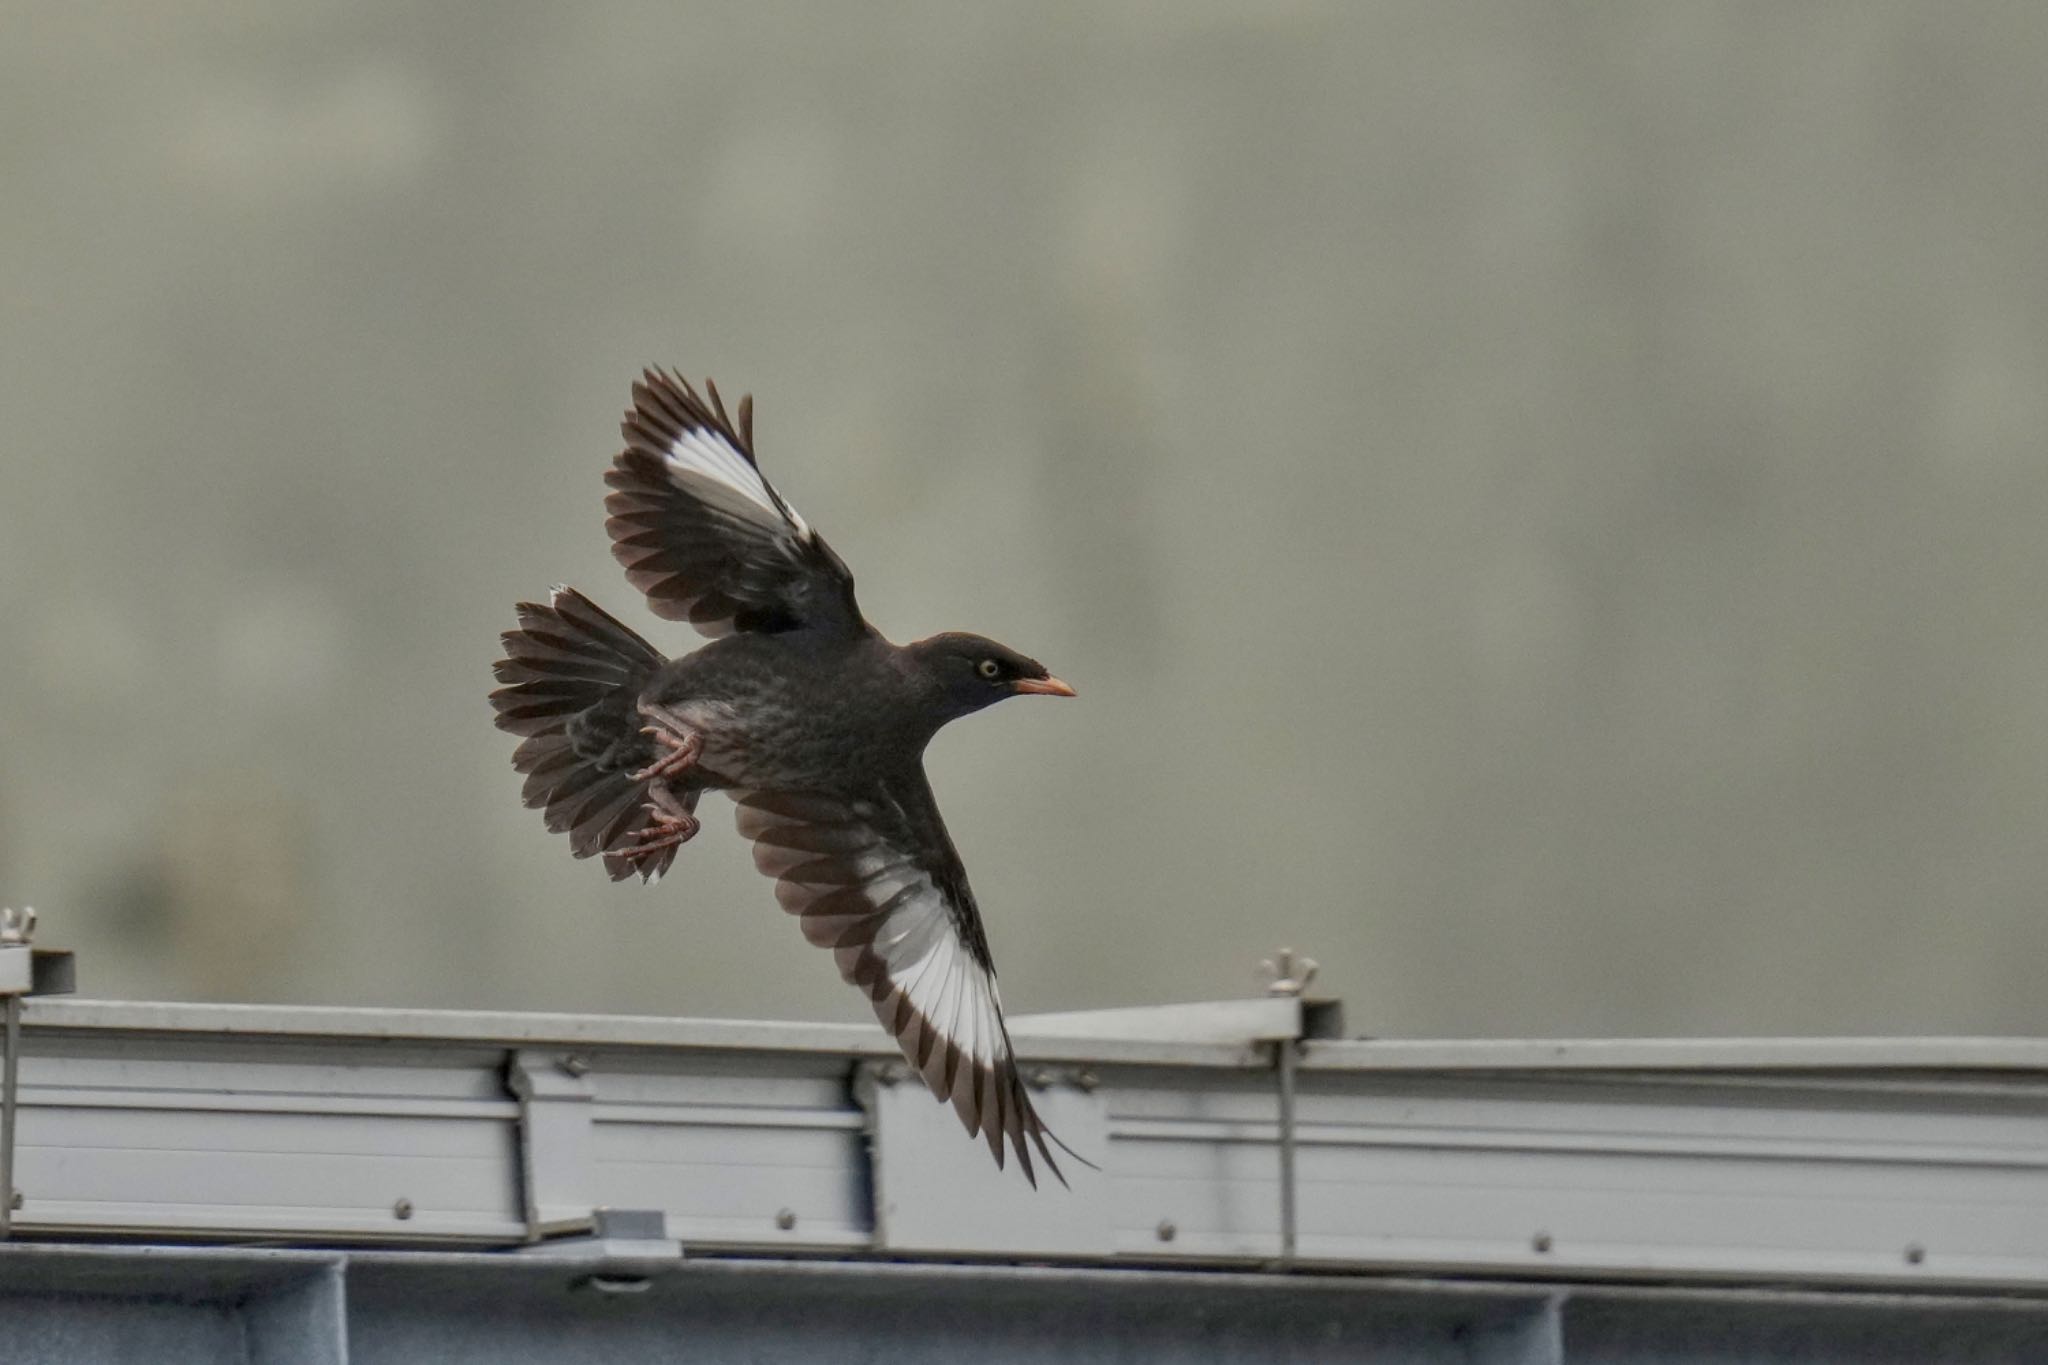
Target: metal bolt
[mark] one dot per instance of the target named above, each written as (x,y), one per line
(1540,1242)
(1086,1079)
(1166,1231)
(1039,1079)
(1915,1254)
(576,1064)
(785,1219)
(888,1073)
(402,1210)
(1288,973)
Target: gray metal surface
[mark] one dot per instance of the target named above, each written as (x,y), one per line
(188,1306)
(1912,1164)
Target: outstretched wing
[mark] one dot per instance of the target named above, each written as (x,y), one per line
(875,879)
(700,531)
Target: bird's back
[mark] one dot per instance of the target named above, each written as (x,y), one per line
(791,711)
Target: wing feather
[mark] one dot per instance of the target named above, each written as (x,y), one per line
(702,532)
(876,880)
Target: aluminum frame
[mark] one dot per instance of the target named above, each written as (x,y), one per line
(1903,1164)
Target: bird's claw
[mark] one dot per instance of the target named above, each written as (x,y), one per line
(661,832)
(670,823)
(671,733)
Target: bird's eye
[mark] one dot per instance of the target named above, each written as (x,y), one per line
(989,668)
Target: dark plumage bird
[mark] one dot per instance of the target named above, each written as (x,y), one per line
(800,711)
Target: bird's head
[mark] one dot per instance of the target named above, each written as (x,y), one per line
(967,672)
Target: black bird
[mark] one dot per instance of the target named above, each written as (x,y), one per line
(801,712)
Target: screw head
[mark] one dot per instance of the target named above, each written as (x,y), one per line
(1915,1254)
(576,1064)
(1166,1231)
(1039,1079)
(785,1219)
(402,1210)
(1086,1079)
(1540,1242)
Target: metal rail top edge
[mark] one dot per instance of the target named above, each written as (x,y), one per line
(476,1027)
(473,1028)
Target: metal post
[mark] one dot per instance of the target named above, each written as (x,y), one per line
(1288,1048)
(12,1047)
(1287,975)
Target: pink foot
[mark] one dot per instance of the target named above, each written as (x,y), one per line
(670,825)
(672,733)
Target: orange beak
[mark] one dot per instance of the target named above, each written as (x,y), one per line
(1043,687)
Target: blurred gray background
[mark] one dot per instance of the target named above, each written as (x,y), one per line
(1544,504)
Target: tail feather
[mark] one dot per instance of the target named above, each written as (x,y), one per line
(573,677)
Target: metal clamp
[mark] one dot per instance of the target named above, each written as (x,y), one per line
(24,971)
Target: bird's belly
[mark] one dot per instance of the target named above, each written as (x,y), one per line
(772,747)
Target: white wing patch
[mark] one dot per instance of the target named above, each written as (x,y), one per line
(948,987)
(895,933)
(858,895)
(708,455)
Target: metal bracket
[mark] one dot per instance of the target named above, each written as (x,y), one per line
(624,1247)
(555,1141)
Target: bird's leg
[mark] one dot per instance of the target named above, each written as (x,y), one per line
(672,733)
(671,815)
(671,823)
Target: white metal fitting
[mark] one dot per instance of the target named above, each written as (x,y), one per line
(1288,974)
(17,926)
(17,959)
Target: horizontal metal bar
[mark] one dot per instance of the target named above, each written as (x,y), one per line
(50,1096)
(264,1305)
(581,1031)
(1058,1042)
(1259,1019)
(1678,1054)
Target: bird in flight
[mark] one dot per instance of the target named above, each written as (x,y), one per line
(799,711)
